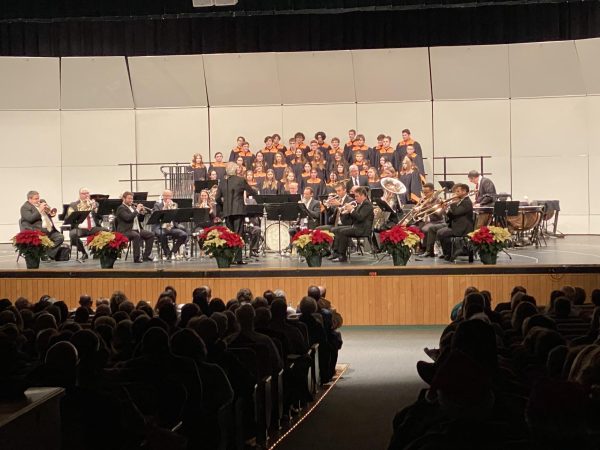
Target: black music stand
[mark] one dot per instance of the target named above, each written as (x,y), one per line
(269,199)
(63,214)
(502,210)
(183,202)
(108,206)
(447,185)
(140,196)
(202,185)
(376,193)
(98,197)
(159,218)
(285,212)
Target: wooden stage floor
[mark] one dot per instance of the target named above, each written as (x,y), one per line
(366,291)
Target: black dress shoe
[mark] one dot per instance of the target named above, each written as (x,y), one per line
(148,258)
(84,256)
(240,263)
(333,256)
(138,261)
(429,255)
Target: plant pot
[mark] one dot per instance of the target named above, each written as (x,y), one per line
(107,262)
(314,260)
(223,262)
(32,262)
(399,259)
(488,258)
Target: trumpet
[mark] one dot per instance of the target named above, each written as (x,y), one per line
(51,212)
(348,211)
(146,209)
(331,197)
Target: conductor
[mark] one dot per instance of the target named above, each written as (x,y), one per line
(230,198)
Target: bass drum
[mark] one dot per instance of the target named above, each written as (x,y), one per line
(273,233)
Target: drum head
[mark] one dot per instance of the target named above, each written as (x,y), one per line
(273,233)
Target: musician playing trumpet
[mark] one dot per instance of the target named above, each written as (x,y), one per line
(36,215)
(173,229)
(127,221)
(90,225)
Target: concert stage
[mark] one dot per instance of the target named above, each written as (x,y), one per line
(365,290)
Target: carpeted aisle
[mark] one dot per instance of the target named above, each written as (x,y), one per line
(382,379)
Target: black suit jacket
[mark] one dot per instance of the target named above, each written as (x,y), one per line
(345,218)
(486,190)
(363,180)
(362,218)
(230,195)
(124,218)
(31,219)
(460,217)
(314,214)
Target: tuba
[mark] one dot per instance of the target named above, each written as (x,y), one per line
(393,186)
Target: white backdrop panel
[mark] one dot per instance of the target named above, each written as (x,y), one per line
(242,79)
(45,180)
(334,120)
(470,72)
(391,119)
(94,138)
(588,51)
(574,224)
(95,83)
(549,127)
(29,83)
(545,69)
(380,75)
(168,81)
(98,179)
(474,128)
(319,77)
(553,178)
(252,122)
(593,133)
(171,134)
(30,138)
(595,224)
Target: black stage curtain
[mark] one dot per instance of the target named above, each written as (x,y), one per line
(221,33)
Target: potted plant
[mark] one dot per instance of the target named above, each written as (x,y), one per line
(32,244)
(313,245)
(108,246)
(399,241)
(488,242)
(221,243)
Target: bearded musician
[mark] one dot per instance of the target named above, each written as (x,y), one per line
(173,229)
(91,224)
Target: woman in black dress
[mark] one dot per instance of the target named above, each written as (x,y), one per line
(270,185)
(279,166)
(409,176)
(198,168)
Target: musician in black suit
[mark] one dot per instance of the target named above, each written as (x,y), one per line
(91,224)
(485,188)
(230,198)
(127,221)
(333,205)
(34,216)
(355,178)
(173,229)
(312,221)
(460,219)
(362,223)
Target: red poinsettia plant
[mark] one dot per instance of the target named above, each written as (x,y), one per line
(489,239)
(107,244)
(32,243)
(400,240)
(312,242)
(220,241)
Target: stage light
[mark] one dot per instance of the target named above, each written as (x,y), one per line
(207,3)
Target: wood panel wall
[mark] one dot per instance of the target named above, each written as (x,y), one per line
(362,300)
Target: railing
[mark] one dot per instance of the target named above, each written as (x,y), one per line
(175,176)
(445,159)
